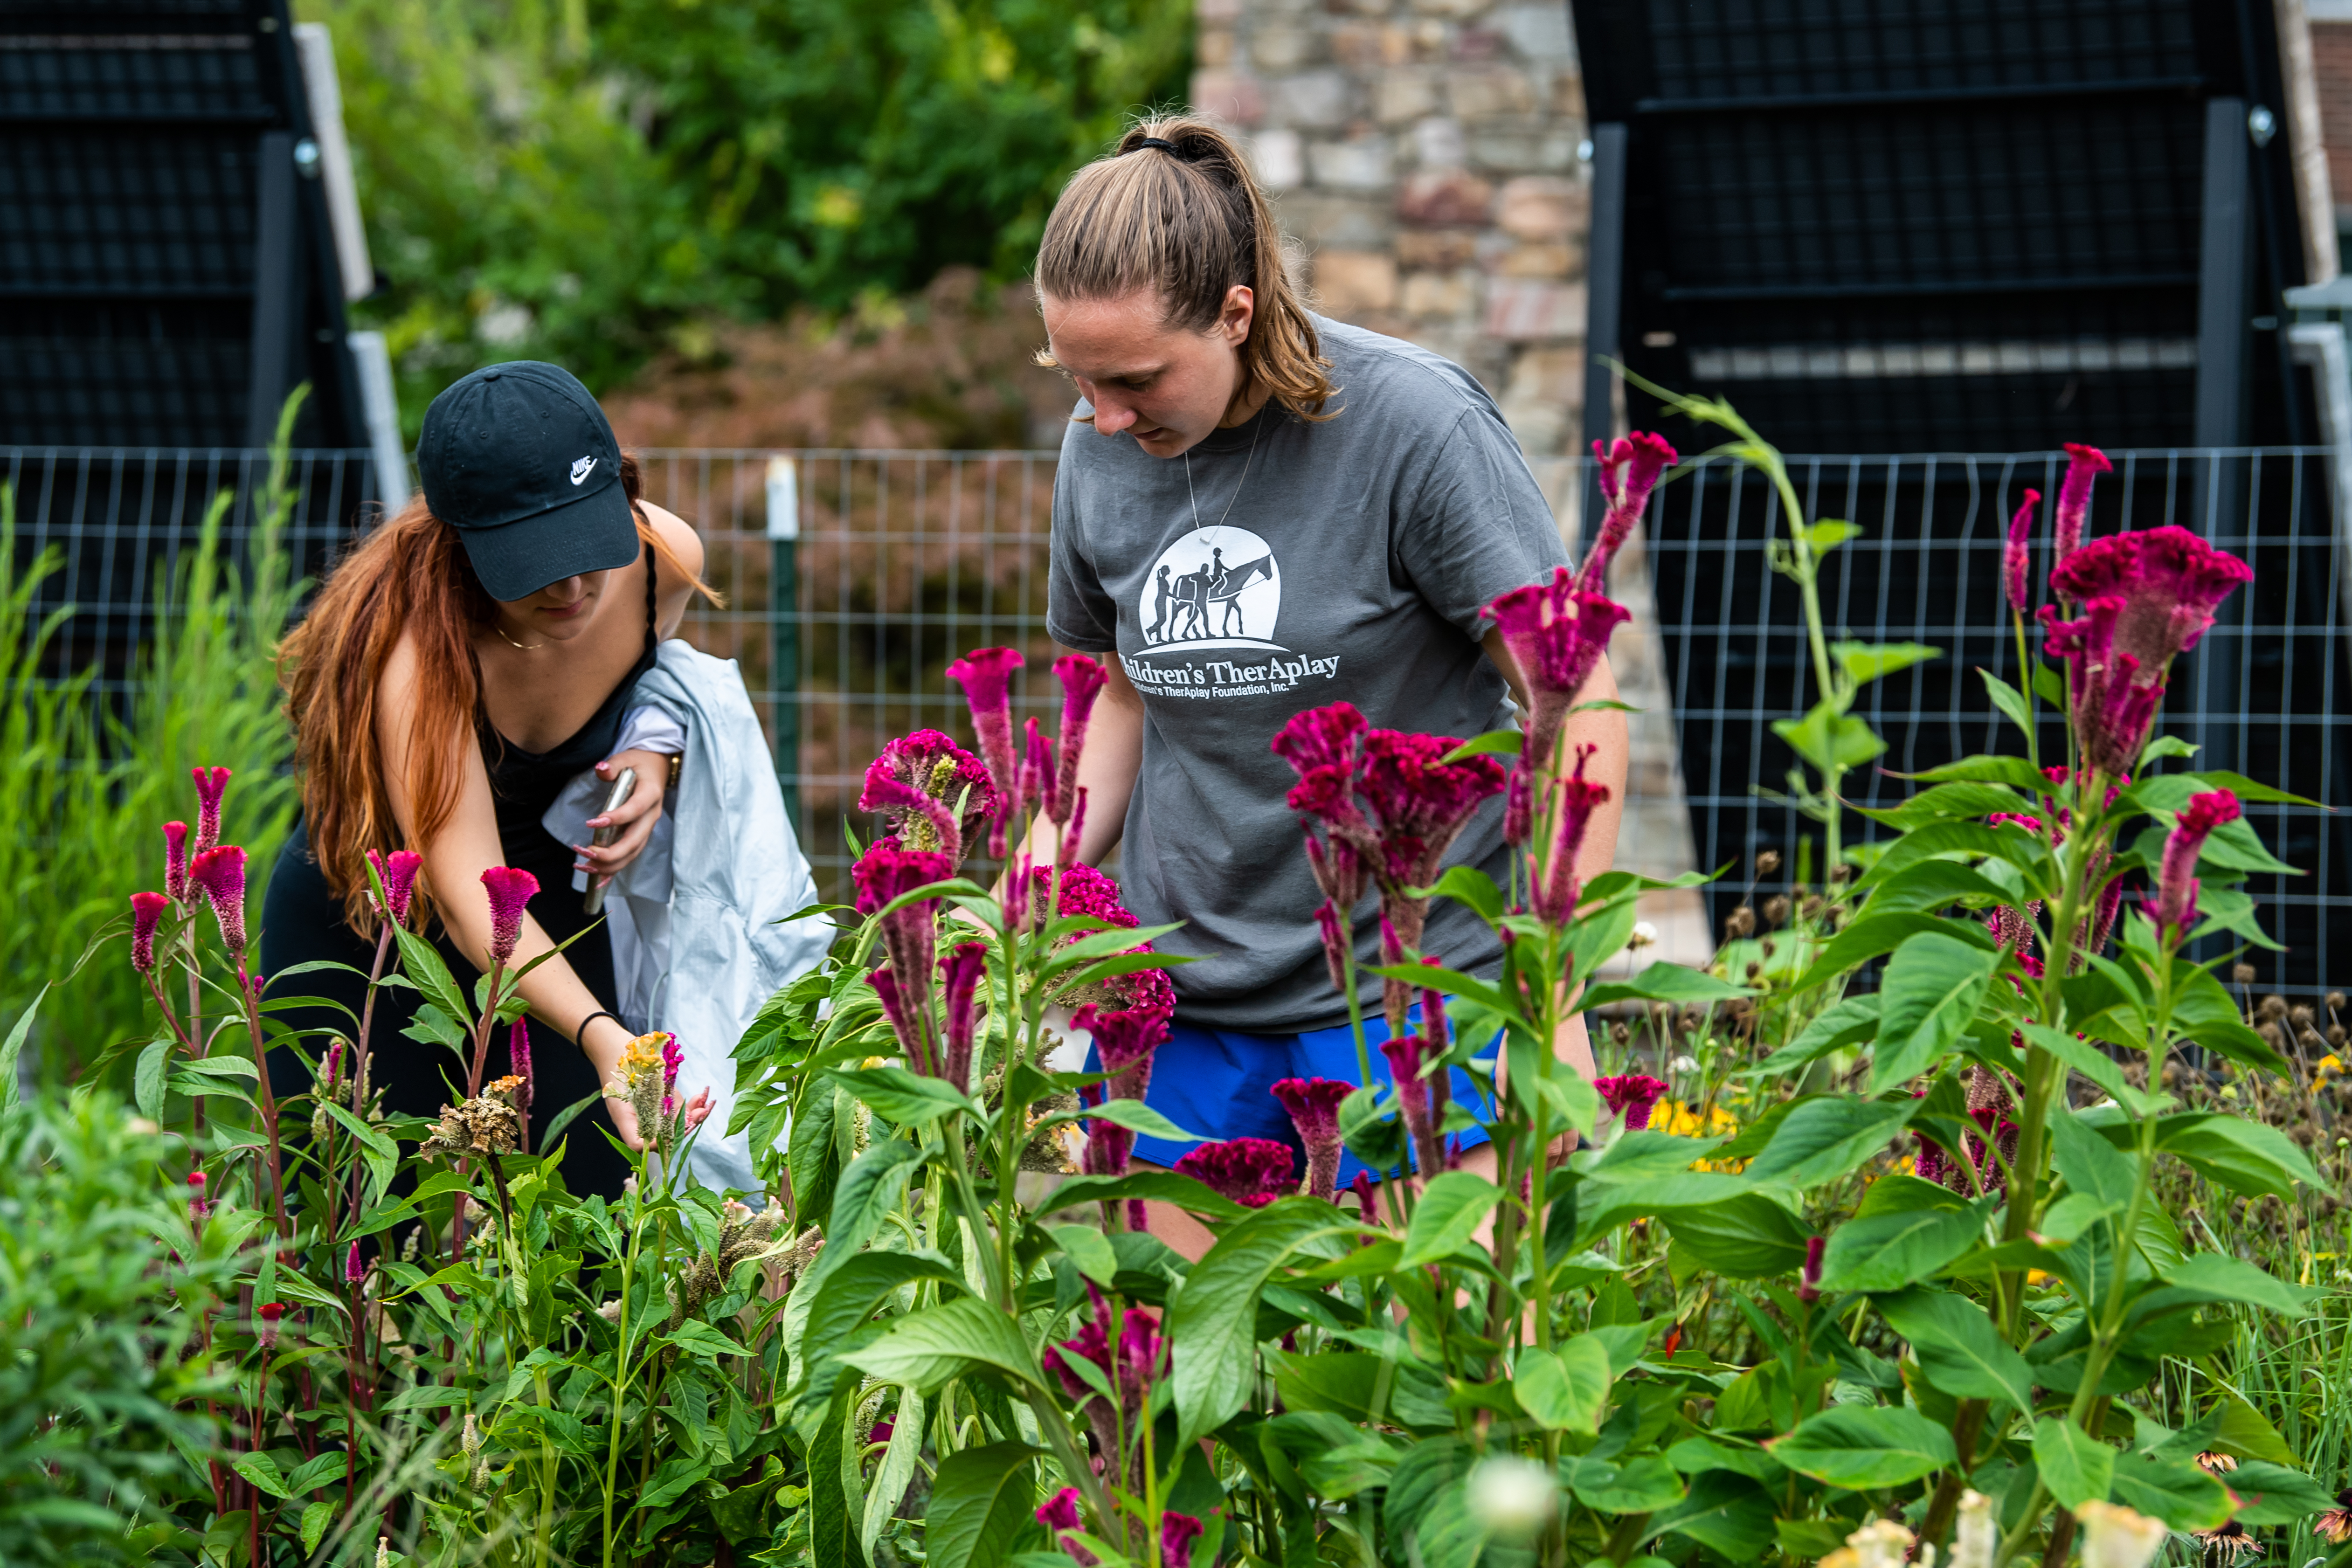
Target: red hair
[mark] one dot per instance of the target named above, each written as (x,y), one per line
(409,577)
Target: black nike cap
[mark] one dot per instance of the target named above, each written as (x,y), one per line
(520,461)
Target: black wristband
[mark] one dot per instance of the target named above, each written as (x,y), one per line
(581,1040)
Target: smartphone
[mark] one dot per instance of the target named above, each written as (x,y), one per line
(623,785)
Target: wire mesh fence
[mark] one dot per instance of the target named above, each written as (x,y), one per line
(857,575)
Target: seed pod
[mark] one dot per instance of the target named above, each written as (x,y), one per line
(2273,1007)
(1767,861)
(1754,969)
(2242,974)
(2302,1018)
(1620,1033)
(2336,1001)
(1741,923)
(1767,948)
(1776,911)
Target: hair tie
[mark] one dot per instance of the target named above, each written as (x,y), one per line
(1154,141)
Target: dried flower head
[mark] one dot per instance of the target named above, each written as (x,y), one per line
(485,1125)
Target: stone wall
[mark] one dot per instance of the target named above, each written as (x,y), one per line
(1425,153)
(1427,157)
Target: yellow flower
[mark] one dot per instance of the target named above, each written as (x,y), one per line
(1681,1121)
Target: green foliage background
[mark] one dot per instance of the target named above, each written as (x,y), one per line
(591,183)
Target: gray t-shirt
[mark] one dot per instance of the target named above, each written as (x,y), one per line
(1351,564)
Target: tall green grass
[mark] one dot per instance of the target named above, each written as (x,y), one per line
(90,789)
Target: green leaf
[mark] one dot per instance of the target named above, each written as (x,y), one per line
(2090,1164)
(924,1351)
(1824,535)
(2216,1277)
(1934,986)
(1212,1322)
(1494,743)
(2076,1467)
(2248,1158)
(844,1299)
(1745,1237)
(868,1189)
(147,1082)
(909,1099)
(2173,1491)
(421,962)
(1958,1348)
(1138,1117)
(382,1157)
(1867,662)
(1889,1251)
(980,1498)
(1643,1484)
(1862,1447)
(2087,1060)
(2008,699)
(698,1338)
(1664,982)
(1938,885)
(262,1470)
(1829,739)
(1466,884)
(1090,1251)
(1938,840)
(1872,935)
(1448,1214)
(2275,1493)
(315,1520)
(1826,1137)
(1163,1187)
(1842,1023)
(1564,1390)
(1724,1512)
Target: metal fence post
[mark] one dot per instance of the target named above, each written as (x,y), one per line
(784,625)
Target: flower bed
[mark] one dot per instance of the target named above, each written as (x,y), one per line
(1811,1273)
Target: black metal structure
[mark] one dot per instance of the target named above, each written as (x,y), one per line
(167,267)
(1934,226)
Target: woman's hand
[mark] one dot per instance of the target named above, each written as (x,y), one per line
(635,816)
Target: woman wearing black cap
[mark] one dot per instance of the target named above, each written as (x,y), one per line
(462,664)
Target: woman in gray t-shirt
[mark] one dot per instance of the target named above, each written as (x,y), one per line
(1271,512)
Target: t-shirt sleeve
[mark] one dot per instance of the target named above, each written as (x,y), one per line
(1472,524)
(1078,613)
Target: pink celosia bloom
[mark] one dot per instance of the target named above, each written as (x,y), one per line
(2084,465)
(1405,1058)
(510,887)
(1809,1278)
(1629,472)
(1631,1095)
(1367,1204)
(2170,581)
(397,871)
(884,874)
(197,1207)
(2103,917)
(1124,1041)
(1335,946)
(2113,706)
(2017,554)
(1177,1533)
(1082,680)
(2175,907)
(1038,768)
(1108,1146)
(909,1017)
(266,1315)
(986,674)
(959,974)
(1556,887)
(1129,1373)
(519,1063)
(1557,633)
(1084,892)
(354,1271)
(673,1058)
(211,783)
(1060,1515)
(1314,1107)
(922,775)
(175,861)
(219,874)
(1253,1172)
(146,913)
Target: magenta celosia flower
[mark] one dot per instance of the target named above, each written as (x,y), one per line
(959,974)
(1124,1041)
(1128,1372)
(1556,887)
(1253,1172)
(2170,581)
(1335,944)
(2103,918)
(197,1207)
(2114,701)
(2175,908)
(1079,890)
(917,784)
(211,783)
(355,1270)
(1629,472)
(1314,1106)
(884,874)
(1367,1197)
(175,861)
(510,887)
(1177,1533)
(1419,804)
(2016,556)
(146,913)
(1405,1058)
(1108,1146)
(219,874)
(1060,1515)
(673,1058)
(1082,680)
(2084,465)
(519,1063)
(1809,1278)
(986,674)
(266,1315)
(909,1015)
(397,871)
(1557,633)
(1631,1095)
(1321,743)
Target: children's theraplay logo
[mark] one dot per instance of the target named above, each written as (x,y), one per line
(1214,588)
(1208,611)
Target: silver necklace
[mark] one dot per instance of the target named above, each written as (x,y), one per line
(1194,497)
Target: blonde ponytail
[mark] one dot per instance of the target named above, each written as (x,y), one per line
(1176,210)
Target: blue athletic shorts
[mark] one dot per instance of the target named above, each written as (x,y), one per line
(1219,1082)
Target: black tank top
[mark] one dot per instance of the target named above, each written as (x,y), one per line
(526,783)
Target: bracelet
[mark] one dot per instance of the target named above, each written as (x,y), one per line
(581,1040)
(676,761)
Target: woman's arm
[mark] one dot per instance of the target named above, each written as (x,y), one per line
(1106,771)
(455,859)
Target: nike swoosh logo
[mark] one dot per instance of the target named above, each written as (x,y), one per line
(582,469)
